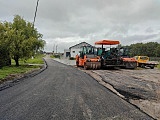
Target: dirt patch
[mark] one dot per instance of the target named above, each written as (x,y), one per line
(139,87)
(11,77)
(150,107)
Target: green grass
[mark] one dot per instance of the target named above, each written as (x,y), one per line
(55,56)
(52,56)
(36,60)
(158,66)
(7,70)
(23,68)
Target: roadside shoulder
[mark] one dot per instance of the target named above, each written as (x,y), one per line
(20,77)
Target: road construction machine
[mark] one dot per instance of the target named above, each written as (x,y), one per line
(111,57)
(128,62)
(88,58)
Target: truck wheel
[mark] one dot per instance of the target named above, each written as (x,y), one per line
(142,65)
(152,67)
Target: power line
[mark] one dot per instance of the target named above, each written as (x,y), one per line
(35,12)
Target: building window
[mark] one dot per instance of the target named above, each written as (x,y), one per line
(73,51)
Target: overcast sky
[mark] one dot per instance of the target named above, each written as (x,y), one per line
(68,22)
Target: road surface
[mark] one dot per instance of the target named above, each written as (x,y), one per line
(62,92)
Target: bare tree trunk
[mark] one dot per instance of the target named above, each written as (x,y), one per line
(16,58)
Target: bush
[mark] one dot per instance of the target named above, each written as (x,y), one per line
(72,58)
(56,56)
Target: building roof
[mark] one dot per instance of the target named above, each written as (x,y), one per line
(79,44)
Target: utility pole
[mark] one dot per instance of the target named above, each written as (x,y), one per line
(54,48)
(35,13)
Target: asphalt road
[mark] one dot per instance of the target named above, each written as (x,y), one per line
(62,92)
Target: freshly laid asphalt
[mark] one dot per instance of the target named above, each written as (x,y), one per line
(62,92)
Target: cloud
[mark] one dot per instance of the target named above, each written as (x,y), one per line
(74,21)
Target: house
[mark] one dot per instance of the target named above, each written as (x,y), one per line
(74,50)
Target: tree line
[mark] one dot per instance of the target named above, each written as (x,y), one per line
(151,49)
(18,40)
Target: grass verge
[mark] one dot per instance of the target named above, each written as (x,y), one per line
(23,68)
(52,56)
(7,70)
(158,66)
(35,60)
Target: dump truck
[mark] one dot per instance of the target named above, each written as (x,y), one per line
(109,58)
(143,61)
(88,58)
(128,62)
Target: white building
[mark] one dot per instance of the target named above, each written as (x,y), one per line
(66,53)
(74,50)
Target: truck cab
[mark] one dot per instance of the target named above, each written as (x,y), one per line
(143,61)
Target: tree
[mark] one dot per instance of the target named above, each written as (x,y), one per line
(151,49)
(4,50)
(24,39)
(136,49)
(157,51)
